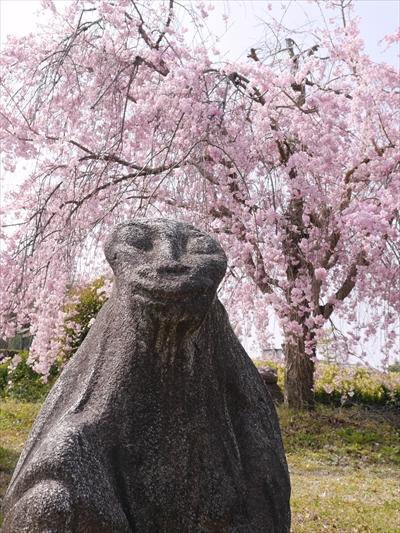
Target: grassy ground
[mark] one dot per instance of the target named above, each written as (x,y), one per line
(344,464)
(345,470)
(16,419)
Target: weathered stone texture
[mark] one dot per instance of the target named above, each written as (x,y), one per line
(160,422)
(270,378)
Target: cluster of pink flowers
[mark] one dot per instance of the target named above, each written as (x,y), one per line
(291,161)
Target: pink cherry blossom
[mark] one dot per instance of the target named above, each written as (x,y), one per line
(290,159)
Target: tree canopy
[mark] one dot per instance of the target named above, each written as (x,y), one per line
(289,157)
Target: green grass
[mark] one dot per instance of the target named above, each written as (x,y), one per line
(349,436)
(16,419)
(344,499)
(344,465)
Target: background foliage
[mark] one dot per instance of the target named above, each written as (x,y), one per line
(334,384)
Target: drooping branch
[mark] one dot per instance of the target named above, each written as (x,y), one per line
(346,287)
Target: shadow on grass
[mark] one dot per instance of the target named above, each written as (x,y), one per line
(345,436)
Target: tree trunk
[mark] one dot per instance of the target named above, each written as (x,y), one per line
(299,377)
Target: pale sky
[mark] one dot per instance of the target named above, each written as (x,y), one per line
(244,28)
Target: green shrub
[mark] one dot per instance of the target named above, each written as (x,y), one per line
(335,384)
(19,381)
(87,302)
(3,377)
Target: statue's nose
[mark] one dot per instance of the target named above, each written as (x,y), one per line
(170,253)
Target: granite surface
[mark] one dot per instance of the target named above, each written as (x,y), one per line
(160,422)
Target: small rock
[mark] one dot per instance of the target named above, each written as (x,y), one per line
(270,379)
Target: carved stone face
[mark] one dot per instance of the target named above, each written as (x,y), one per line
(166,262)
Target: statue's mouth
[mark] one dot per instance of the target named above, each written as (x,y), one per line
(183,295)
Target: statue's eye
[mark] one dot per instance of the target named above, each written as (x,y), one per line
(201,244)
(141,242)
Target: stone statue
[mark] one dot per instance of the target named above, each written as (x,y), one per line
(160,423)
(270,378)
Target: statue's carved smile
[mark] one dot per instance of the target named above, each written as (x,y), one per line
(164,295)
